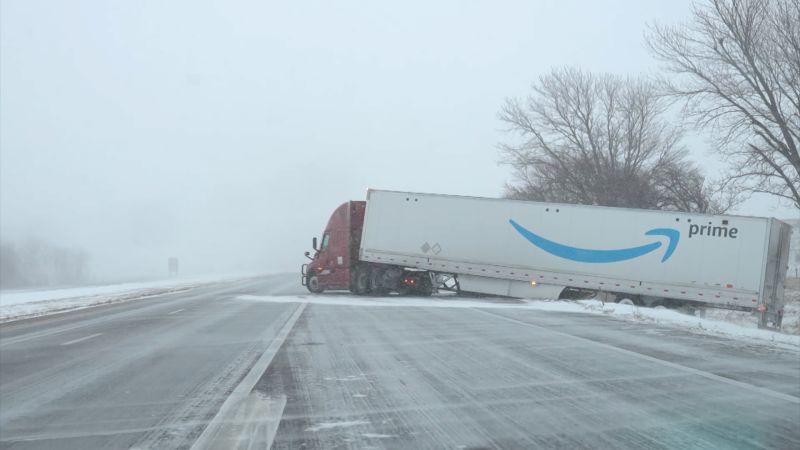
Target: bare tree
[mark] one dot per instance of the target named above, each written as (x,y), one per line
(10,272)
(602,140)
(736,66)
(35,262)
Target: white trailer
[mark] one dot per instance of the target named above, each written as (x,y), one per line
(536,250)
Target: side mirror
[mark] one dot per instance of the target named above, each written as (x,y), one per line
(314,243)
(308,255)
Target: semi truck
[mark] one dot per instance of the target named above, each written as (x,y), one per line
(413,243)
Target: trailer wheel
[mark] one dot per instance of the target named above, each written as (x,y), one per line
(626,301)
(361,281)
(426,287)
(313,285)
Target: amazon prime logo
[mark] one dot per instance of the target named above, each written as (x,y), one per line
(710,230)
(602,256)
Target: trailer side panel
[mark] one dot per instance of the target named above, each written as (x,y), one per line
(708,258)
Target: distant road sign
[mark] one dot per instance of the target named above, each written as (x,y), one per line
(173,266)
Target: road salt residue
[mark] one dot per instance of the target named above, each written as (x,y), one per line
(330,425)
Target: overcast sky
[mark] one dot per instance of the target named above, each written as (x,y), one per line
(225,132)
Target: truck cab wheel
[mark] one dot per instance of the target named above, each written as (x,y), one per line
(313,284)
(361,281)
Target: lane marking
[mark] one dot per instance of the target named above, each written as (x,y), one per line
(218,432)
(28,337)
(704,374)
(136,307)
(176,311)
(85,338)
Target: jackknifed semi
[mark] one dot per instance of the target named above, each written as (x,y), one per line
(412,243)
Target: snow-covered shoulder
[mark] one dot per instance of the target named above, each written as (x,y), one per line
(18,304)
(718,322)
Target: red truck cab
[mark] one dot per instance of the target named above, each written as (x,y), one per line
(335,264)
(334,261)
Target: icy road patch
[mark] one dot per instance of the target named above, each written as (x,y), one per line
(665,317)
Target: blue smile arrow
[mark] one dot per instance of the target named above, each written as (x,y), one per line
(601,256)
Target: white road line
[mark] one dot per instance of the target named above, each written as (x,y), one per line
(217,433)
(176,311)
(708,375)
(28,337)
(85,338)
(82,322)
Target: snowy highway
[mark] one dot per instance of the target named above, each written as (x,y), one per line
(299,373)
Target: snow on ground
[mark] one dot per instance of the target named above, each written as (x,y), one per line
(791,318)
(18,304)
(328,425)
(791,312)
(743,329)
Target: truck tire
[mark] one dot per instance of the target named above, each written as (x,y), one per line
(376,282)
(403,290)
(312,283)
(361,281)
(425,288)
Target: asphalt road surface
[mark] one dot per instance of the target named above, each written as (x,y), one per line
(172,371)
